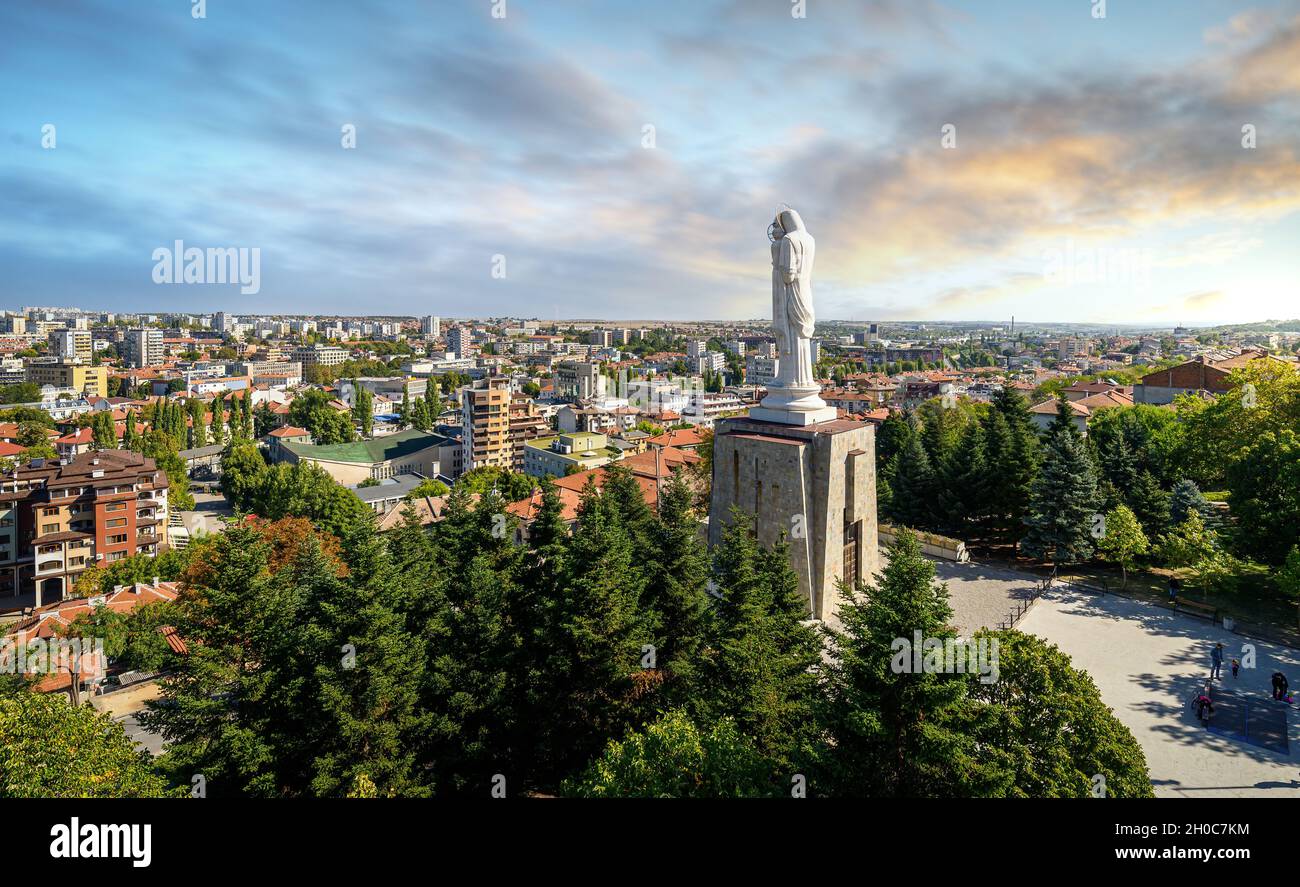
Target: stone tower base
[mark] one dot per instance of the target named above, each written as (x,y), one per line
(815,484)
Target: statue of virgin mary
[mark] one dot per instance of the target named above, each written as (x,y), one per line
(793,250)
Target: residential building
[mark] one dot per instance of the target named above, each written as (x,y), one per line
(565,454)
(81,377)
(319,355)
(72,344)
(575,380)
(458,341)
(485,422)
(143,347)
(61,516)
(431,326)
(1202,374)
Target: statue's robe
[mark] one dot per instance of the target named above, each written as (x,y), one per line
(792,310)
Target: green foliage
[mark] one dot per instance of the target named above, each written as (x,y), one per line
(1124,542)
(1264,484)
(895,732)
(311,410)
(21,392)
(1051,724)
(299,681)
(672,758)
(1062,502)
(50,749)
(429,487)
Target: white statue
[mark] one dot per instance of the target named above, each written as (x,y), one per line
(793,397)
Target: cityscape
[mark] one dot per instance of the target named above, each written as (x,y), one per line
(446,426)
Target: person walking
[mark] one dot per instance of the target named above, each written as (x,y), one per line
(1216,662)
(1236,667)
(1279,685)
(1174,585)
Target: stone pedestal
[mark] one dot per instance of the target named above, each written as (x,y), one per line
(814,484)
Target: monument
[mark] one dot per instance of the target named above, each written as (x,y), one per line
(797,470)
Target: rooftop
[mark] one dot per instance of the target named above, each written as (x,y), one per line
(384,449)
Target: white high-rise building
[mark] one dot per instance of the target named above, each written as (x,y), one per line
(431,326)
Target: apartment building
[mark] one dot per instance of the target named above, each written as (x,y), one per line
(319,355)
(60,516)
(72,344)
(564,454)
(576,380)
(144,347)
(526,423)
(485,424)
(65,373)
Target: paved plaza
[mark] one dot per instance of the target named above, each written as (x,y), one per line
(1148,663)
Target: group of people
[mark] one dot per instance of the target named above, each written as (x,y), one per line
(1205,703)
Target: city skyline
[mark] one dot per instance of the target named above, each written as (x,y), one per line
(1077,140)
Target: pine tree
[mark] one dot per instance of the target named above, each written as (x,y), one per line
(760,663)
(913,486)
(1186,499)
(676,601)
(1062,503)
(965,496)
(1016,466)
(895,730)
(218,420)
(594,648)
(1150,504)
(198,424)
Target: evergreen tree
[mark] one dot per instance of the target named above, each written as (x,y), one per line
(965,496)
(1062,503)
(676,599)
(895,730)
(198,415)
(1016,465)
(130,440)
(1150,504)
(913,486)
(1186,499)
(594,649)
(760,665)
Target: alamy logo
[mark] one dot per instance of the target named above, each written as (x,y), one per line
(48,656)
(922,655)
(242,265)
(90,841)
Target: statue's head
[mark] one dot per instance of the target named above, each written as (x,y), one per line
(786,220)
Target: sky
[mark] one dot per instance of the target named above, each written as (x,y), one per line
(621,159)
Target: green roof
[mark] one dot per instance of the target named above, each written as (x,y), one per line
(384,449)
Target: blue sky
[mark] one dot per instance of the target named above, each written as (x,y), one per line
(1081,143)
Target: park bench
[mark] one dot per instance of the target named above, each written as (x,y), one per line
(1206,611)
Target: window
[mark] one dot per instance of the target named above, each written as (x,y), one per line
(49,512)
(76,561)
(115,555)
(117,522)
(117,539)
(115,506)
(49,528)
